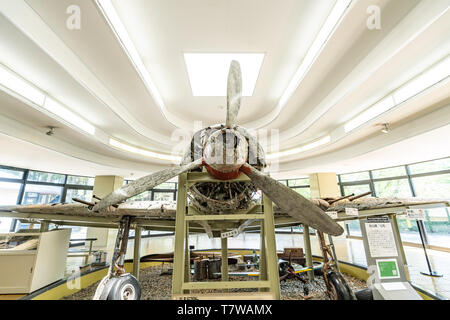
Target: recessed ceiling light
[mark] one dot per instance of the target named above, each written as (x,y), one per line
(15,83)
(303,148)
(426,79)
(147,153)
(58,109)
(208,72)
(374,111)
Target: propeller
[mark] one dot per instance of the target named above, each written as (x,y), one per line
(293,203)
(143,184)
(234,93)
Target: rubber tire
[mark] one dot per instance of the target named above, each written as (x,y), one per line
(342,289)
(364,294)
(126,280)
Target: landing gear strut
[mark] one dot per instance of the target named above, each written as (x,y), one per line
(118,285)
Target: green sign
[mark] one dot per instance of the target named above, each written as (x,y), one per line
(388,269)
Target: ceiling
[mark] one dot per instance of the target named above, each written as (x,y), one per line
(90,72)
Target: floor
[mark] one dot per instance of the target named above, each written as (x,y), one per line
(350,250)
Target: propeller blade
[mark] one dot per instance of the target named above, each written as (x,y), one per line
(234,93)
(143,184)
(293,203)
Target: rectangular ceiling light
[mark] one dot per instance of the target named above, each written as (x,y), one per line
(208,72)
(122,35)
(147,153)
(303,148)
(13,82)
(58,109)
(378,108)
(435,74)
(313,52)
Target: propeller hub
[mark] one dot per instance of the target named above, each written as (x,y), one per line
(225,151)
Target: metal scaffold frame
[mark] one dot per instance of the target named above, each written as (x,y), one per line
(268,282)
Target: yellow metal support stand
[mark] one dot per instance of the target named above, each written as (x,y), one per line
(268,282)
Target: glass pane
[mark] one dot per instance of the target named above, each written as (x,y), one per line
(298,182)
(8,196)
(389,172)
(437,186)
(354,228)
(393,188)
(83,181)
(166,185)
(283,182)
(11,174)
(356,189)
(437,226)
(357,176)
(37,194)
(163,196)
(9,192)
(306,192)
(409,231)
(430,166)
(45,177)
(85,195)
(144,196)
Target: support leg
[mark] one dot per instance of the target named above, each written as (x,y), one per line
(224,246)
(180,229)
(308,253)
(137,251)
(271,253)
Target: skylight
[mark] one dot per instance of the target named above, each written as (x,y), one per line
(208,72)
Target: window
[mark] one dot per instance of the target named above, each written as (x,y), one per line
(357,176)
(8,196)
(40,194)
(306,192)
(45,177)
(166,185)
(82,181)
(436,186)
(11,174)
(430,166)
(389,172)
(393,189)
(354,228)
(356,189)
(437,227)
(85,195)
(409,231)
(298,182)
(144,196)
(163,196)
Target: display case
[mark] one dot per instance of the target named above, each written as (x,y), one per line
(30,261)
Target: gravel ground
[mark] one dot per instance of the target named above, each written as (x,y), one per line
(158,287)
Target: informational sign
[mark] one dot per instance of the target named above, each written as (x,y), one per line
(387,269)
(415,214)
(332,214)
(351,211)
(229,234)
(381,239)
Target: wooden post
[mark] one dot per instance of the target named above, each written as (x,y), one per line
(262,257)
(187,257)
(271,249)
(137,251)
(224,245)
(307,242)
(180,229)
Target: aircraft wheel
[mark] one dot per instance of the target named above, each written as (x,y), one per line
(126,287)
(342,290)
